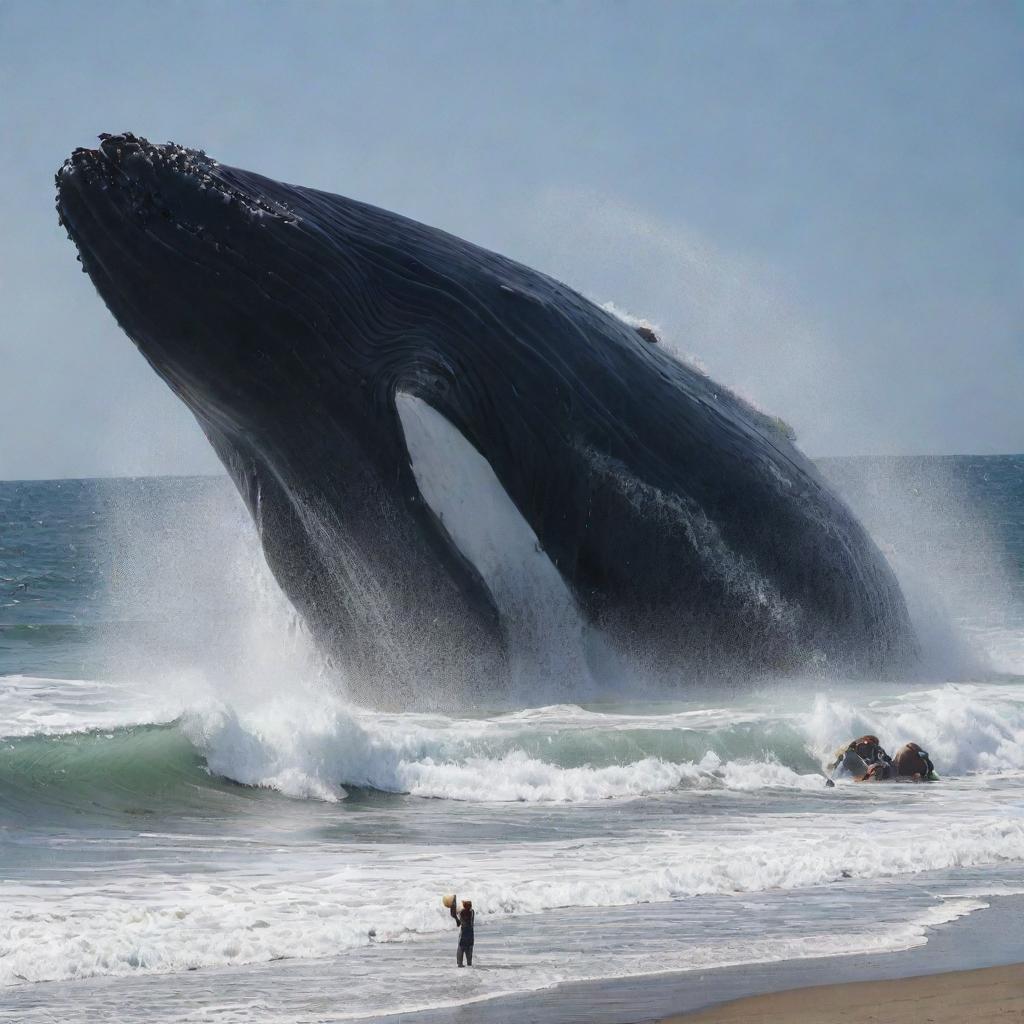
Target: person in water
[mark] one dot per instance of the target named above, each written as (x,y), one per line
(863,758)
(464,919)
(866,761)
(912,762)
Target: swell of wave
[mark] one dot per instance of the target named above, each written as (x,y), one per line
(321,748)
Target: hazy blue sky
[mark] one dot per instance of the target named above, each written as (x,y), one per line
(821,201)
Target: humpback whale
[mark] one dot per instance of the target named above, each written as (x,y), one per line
(300,327)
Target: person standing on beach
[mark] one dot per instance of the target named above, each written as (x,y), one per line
(464,919)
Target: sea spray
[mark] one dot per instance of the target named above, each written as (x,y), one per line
(949,527)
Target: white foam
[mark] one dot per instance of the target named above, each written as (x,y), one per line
(307,742)
(317,902)
(522,778)
(418,979)
(41,706)
(964,727)
(314,748)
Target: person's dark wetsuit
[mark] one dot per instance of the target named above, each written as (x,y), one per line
(913,762)
(464,919)
(877,764)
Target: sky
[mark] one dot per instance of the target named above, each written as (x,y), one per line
(820,202)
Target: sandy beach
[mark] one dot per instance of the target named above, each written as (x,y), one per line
(970,970)
(990,994)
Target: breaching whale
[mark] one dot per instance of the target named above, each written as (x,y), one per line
(301,327)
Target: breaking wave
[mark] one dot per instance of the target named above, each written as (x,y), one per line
(322,748)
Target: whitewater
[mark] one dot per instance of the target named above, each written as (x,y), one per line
(194,819)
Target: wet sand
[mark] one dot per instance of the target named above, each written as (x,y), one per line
(991,938)
(993,994)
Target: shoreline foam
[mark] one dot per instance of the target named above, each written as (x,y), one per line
(990,938)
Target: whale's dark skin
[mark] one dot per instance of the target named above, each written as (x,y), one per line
(690,530)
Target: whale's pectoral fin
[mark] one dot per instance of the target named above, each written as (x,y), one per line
(482,525)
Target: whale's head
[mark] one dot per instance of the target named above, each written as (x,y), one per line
(232,284)
(237,288)
(188,255)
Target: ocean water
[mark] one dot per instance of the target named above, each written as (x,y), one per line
(195,824)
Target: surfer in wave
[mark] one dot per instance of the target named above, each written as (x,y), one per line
(859,757)
(866,761)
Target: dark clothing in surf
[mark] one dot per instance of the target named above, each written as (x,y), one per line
(864,758)
(464,919)
(871,750)
(912,760)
